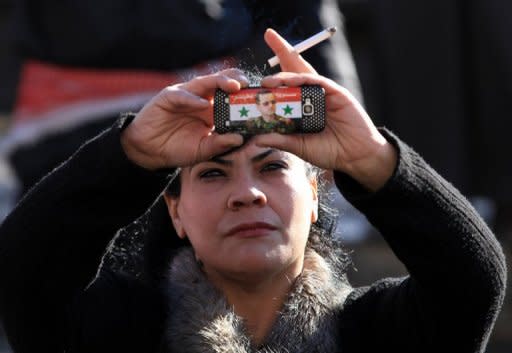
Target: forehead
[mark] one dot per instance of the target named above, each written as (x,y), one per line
(250,153)
(266,96)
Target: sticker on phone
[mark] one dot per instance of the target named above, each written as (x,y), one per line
(260,110)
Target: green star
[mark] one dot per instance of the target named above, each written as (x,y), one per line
(287,110)
(243,112)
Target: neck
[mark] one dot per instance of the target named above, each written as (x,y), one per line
(258,302)
(203,321)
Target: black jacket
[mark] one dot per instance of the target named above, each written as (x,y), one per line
(53,297)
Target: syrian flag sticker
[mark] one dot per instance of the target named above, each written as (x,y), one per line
(242,105)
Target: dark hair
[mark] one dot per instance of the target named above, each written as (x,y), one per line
(322,235)
(173,189)
(260,93)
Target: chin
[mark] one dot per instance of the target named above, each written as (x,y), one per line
(257,263)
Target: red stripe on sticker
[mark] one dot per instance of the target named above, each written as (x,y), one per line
(282,94)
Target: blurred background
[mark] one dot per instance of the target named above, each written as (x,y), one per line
(438,73)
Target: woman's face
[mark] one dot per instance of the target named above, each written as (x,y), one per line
(247,213)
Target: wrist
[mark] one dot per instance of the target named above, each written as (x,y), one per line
(376,169)
(135,154)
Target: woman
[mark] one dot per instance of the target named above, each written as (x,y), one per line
(257,277)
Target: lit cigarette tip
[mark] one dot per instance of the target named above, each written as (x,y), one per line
(308,43)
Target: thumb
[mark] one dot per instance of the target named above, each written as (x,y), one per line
(289,59)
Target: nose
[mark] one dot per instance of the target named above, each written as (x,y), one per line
(246,193)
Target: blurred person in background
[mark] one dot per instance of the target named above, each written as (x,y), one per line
(458,54)
(68,68)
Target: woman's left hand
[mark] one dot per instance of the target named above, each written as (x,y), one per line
(350,142)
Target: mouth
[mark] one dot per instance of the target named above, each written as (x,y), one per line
(251,230)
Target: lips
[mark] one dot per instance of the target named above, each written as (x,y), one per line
(251,229)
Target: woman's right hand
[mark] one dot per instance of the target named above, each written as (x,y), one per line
(174,129)
(350,143)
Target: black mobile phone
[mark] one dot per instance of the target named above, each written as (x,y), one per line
(258,110)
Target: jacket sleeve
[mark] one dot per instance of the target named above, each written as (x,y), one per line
(53,241)
(457,268)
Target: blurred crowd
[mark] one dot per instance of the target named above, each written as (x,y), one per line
(456,54)
(67,72)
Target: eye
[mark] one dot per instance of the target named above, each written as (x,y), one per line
(273,166)
(211,173)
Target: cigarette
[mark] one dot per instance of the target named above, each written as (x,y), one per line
(308,43)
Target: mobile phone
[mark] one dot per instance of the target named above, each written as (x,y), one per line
(258,110)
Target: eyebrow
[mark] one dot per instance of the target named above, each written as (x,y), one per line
(257,158)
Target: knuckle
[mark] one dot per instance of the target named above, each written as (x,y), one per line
(170,89)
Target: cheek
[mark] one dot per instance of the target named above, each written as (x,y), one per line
(199,213)
(296,207)
(199,220)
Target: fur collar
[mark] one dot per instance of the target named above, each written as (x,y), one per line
(201,321)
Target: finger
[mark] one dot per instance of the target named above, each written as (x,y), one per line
(290,79)
(236,74)
(229,80)
(336,102)
(289,59)
(215,144)
(177,99)
(204,86)
(288,143)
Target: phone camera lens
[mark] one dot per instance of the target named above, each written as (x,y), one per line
(307,108)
